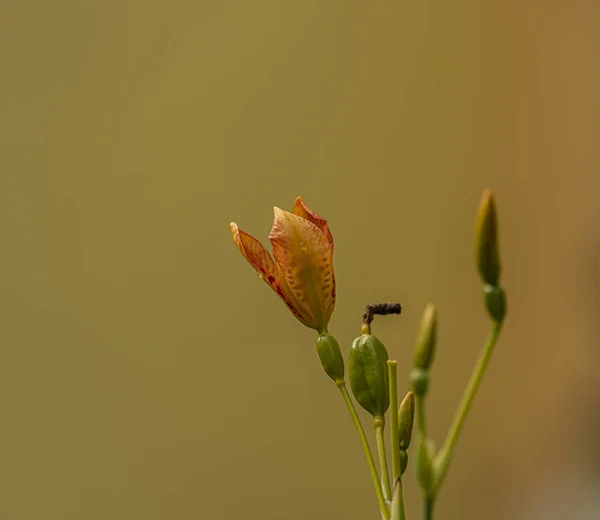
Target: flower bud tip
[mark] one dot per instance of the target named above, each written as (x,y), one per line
(406,417)
(486,239)
(425,347)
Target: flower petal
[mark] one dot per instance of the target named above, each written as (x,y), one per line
(302,210)
(304,256)
(259,258)
(253,251)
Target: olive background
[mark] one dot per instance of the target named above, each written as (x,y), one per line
(147,373)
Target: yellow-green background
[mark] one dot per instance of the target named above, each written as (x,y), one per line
(146,372)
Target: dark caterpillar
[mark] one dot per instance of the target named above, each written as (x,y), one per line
(381,309)
(384,308)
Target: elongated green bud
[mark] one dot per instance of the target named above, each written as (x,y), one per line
(403,461)
(331,357)
(495,302)
(406,417)
(425,347)
(367,371)
(487,253)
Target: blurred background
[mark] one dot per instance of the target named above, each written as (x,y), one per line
(146,372)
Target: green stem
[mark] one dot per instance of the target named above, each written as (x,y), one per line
(420,402)
(398,502)
(365,444)
(379,423)
(428,509)
(424,465)
(442,459)
(394,434)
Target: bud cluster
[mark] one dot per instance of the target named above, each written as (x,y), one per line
(303,249)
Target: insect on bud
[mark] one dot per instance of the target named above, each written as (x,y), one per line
(384,308)
(425,347)
(368,375)
(486,240)
(331,357)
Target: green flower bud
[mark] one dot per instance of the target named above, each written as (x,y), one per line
(406,417)
(331,357)
(425,467)
(419,379)
(495,302)
(367,371)
(425,347)
(403,461)
(486,240)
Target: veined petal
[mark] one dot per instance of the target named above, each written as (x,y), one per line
(304,256)
(253,251)
(259,258)
(302,210)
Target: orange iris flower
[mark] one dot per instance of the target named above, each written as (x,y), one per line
(302,272)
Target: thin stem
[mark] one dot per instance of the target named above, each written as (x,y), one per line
(420,402)
(427,509)
(365,444)
(398,502)
(423,474)
(442,460)
(379,423)
(394,434)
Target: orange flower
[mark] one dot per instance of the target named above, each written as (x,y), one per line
(302,272)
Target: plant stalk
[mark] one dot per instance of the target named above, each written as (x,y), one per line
(379,423)
(394,434)
(442,459)
(367,450)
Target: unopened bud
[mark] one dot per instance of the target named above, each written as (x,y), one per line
(331,357)
(403,461)
(406,417)
(495,302)
(368,374)
(419,379)
(425,347)
(486,240)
